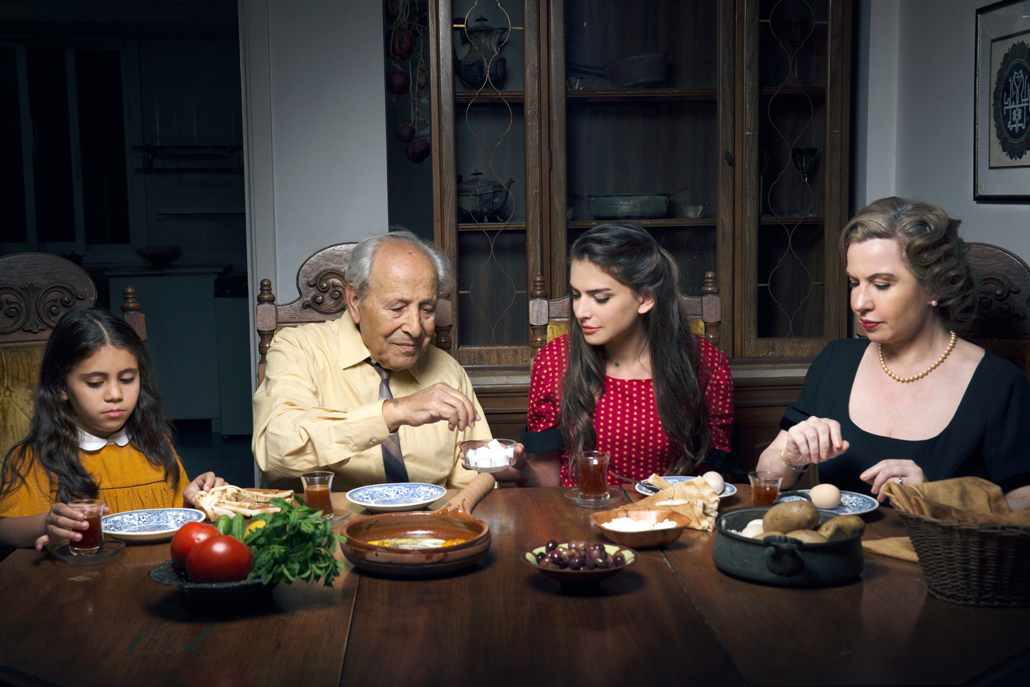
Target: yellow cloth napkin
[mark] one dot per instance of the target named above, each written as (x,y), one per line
(701,503)
(962,499)
(895,547)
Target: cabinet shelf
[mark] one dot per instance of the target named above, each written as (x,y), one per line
(770,221)
(492,226)
(649,94)
(489,97)
(674,222)
(818,91)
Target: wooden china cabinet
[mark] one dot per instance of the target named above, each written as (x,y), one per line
(721,126)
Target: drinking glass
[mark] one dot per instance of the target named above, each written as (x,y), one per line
(593,474)
(765,487)
(318,491)
(93,538)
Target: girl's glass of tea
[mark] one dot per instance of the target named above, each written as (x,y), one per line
(318,491)
(765,487)
(593,474)
(93,537)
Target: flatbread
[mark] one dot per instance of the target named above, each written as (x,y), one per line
(231,500)
(700,502)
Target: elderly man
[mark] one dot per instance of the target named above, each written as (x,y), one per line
(366,396)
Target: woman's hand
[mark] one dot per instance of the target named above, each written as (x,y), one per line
(900,471)
(63,522)
(815,440)
(204,482)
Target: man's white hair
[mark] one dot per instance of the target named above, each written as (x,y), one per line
(359,269)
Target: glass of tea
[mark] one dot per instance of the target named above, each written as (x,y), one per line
(93,538)
(593,474)
(318,491)
(765,487)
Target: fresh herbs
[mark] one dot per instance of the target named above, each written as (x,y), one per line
(295,543)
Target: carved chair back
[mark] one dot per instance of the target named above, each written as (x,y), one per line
(1002,303)
(321,285)
(550,318)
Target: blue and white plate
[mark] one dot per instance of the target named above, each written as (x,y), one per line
(850,502)
(727,490)
(152,524)
(390,498)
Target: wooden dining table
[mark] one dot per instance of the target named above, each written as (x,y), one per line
(671,618)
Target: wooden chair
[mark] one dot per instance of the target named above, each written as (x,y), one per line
(1003,302)
(36,290)
(321,285)
(550,318)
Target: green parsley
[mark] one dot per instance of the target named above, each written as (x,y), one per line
(295,543)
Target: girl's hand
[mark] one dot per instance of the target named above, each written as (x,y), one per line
(63,522)
(900,471)
(204,482)
(815,440)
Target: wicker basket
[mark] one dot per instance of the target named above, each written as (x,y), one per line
(980,565)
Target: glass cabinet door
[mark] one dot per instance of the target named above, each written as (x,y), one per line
(795,190)
(487,149)
(643,106)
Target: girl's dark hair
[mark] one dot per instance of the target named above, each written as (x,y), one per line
(633,258)
(53,438)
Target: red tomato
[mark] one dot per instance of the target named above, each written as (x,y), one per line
(219,559)
(188,536)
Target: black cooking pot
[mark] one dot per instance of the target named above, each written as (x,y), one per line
(783,561)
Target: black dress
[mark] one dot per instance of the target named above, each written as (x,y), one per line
(989,436)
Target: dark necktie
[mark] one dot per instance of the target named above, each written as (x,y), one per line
(393,462)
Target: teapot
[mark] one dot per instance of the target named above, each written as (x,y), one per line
(483,55)
(481,200)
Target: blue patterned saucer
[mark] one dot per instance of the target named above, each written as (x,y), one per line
(390,498)
(152,524)
(850,502)
(727,490)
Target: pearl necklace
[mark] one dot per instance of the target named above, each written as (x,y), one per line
(905,380)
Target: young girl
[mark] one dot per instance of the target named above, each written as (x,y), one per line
(630,378)
(98,432)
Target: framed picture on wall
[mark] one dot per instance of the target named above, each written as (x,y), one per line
(1001,120)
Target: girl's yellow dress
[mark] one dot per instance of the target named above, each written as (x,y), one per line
(127,480)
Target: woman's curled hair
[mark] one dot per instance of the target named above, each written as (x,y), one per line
(932,248)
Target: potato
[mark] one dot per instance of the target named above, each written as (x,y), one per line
(770,534)
(842,527)
(790,516)
(807,536)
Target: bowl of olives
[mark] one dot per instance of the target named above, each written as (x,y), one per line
(580,561)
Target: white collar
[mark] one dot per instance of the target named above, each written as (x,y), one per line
(88,442)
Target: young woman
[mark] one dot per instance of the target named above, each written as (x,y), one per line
(630,378)
(98,432)
(912,402)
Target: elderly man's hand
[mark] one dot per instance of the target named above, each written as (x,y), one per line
(432,404)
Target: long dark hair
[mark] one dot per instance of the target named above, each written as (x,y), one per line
(633,258)
(53,439)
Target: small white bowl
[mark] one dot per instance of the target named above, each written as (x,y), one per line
(465,446)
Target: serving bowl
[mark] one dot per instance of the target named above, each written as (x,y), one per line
(783,561)
(647,538)
(580,576)
(244,591)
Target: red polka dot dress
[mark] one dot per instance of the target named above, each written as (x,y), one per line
(626,418)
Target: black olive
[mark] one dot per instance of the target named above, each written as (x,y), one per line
(618,560)
(540,556)
(551,546)
(577,562)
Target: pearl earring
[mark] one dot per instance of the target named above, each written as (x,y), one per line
(933,303)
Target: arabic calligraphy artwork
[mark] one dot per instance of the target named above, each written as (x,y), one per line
(1001,170)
